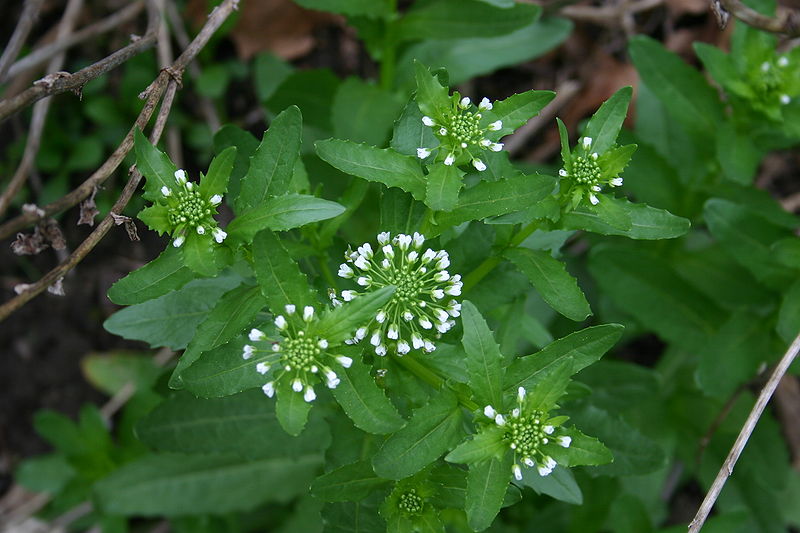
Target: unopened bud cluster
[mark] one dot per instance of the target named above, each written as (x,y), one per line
(586,175)
(422,307)
(776,81)
(464,130)
(529,432)
(189,211)
(299,358)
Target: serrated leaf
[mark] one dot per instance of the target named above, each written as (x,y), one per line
(581,348)
(222,371)
(219,172)
(615,159)
(162,275)
(481,447)
(278,275)
(342,321)
(198,253)
(646,222)
(443,184)
(282,213)
(432,430)
(400,213)
(156,217)
(549,385)
(292,410)
(365,403)
(551,280)
(351,482)
(582,451)
(559,484)
(517,109)
(483,358)
(605,124)
(374,164)
(431,97)
(487,483)
(410,133)
(154,165)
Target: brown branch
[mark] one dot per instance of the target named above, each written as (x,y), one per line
(786,22)
(168,78)
(60,82)
(609,14)
(24,26)
(40,110)
(44,53)
(747,430)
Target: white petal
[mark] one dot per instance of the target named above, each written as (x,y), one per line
(344,361)
(489,412)
(380,350)
(309,395)
(219,235)
(425,323)
(393,332)
(616,182)
(500,420)
(322,343)
(165,191)
(280,322)
(563,173)
(449,160)
(375,340)
(783,61)
(479,165)
(180,176)
(485,104)
(290,309)
(428,121)
(416,341)
(297,385)
(348,295)
(308,313)
(429,347)
(256,335)
(593,199)
(548,429)
(465,102)
(269,389)
(178,241)
(564,441)
(496,147)
(517,472)
(785,99)
(215,200)
(247,351)
(521,394)
(403,347)
(364,281)
(200,230)
(586,142)
(497,125)
(423,153)
(384,237)
(262,368)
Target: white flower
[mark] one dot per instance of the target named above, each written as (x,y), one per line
(276,347)
(345,361)
(256,335)
(408,316)
(412,256)
(528,461)
(215,200)
(393,332)
(419,239)
(363,281)
(428,256)
(564,441)
(442,315)
(485,104)
(280,322)
(548,429)
(464,103)
(365,250)
(499,419)
(521,394)
(596,188)
(586,142)
(388,251)
(219,235)
(262,368)
(479,165)
(380,350)
(425,323)
(361,333)
(247,351)
(423,153)
(428,121)
(489,412)
(593,199)
(362,263)
(375,340)
(764,66)
(200,230)
(180,176)
(348,295)
(442,131)
(381,317)
(515,412)
(449,160)
(269,389)
(403,241)
(189,186)
(785,99)
(594,156)
(429,346)
(178,241)
(416,341)
(309,395)
(616,182)
(496,147)
(165,191)
(497,125)
(345,271)
(517,472)
(443,327)
(322,343)
(543,470)
(437,294)
(297,385)
(563,173)
(783,61)
(384,237)
(308,313)
(403,347)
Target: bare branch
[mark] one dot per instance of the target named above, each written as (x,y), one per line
(741,441)
(24,26)
(787,21)
(166,79)
(42,54)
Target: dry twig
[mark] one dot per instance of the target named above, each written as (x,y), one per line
(786,22)
(744,435)
(24,26)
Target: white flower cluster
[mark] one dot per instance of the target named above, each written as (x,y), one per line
(187,209)
(528,432)
(422,306)
(462,129)
(587,172)
(300,357)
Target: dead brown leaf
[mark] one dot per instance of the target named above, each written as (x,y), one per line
(88,210)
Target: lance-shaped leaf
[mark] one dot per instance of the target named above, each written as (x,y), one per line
(484,360)
(278,275)
(219,172)
(222,371)
(518,109)
(385,166)
(342,322)
(272,165)
(199,253)
(154,165)
(581,348)
(646,222)
(162,275)
(410,133)
(605,124)
(487,482)
(582,451)
(443,184)
(364,402)
(282,213)
(351,482)
(549,385)
(481,447)
(431,96)
(432,430)
(291,408)
(559,484)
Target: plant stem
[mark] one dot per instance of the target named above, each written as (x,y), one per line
(433,379)
(389,51)
(489,264)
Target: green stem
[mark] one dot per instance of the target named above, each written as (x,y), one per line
(389,52)
(489,264)
(432,378)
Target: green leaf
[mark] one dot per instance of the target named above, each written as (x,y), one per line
(269,71)
(219,172)
(487,199)
(410,133)
(176,485)
(443,184)
(366,8)
(160,276)
(365,403)
(483,358)
(487,483)
(611,213)
(312,91)
(272,164)
(552,281)
(581,348)
(583,451)
(605,124)
(737,154)
(614,160)
(291,408)
(110,372)
(431,96)
(481,447)
(374,164)
(170,320)
(651,291)
(351,482)
(647,222)
(455,19)
(156,217)
(154,165)
(467,58)
(788,326)
(400,213)
(354,517)
(222,372)
(363,112)
(198,254)
(566,154)
(517,109)
(278,274)
(341,322)
(559,484)
(281,214)
(683,90)
(432,430)
(44,473)
(549,385)
(186,424)
(246,145)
